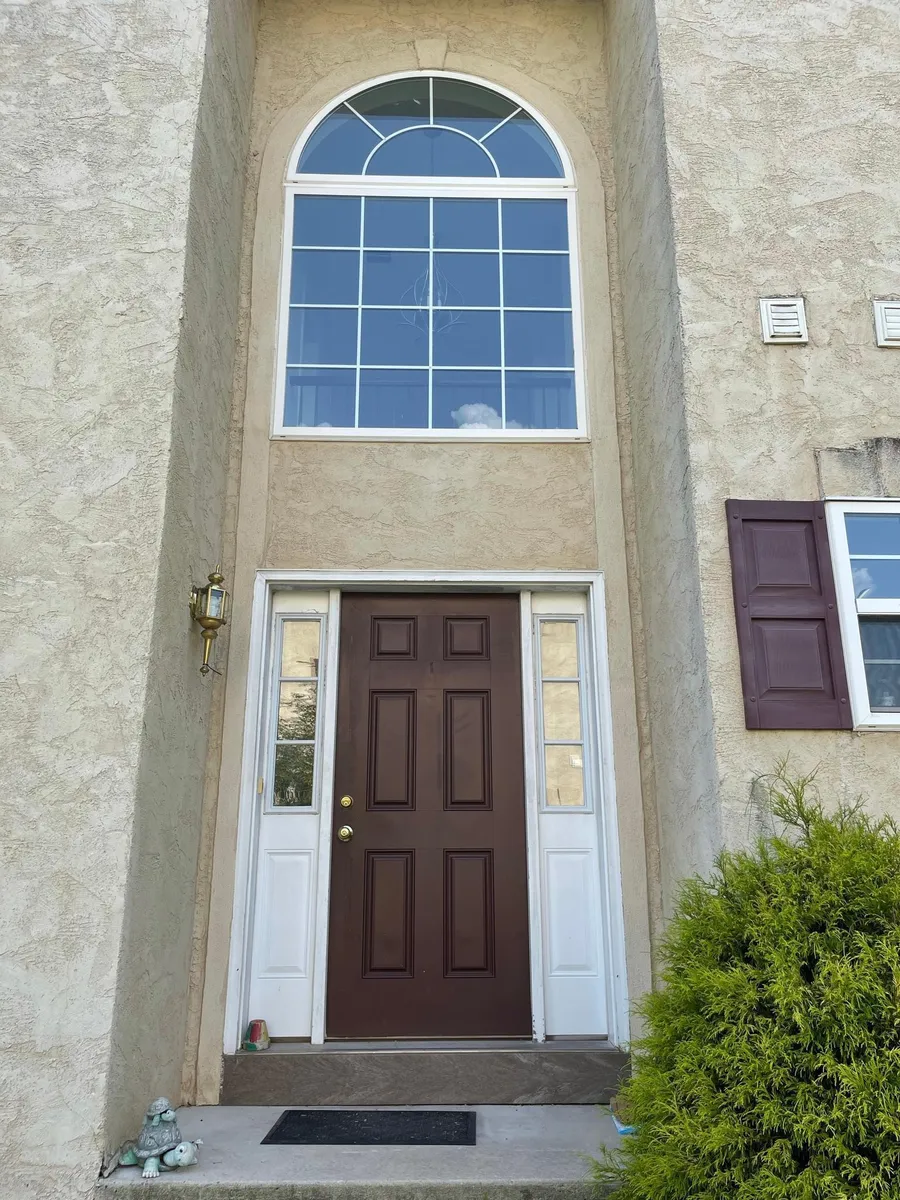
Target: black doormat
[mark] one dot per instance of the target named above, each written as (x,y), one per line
(371,1127)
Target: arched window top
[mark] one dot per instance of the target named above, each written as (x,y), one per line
(429,126)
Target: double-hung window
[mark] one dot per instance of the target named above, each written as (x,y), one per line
(865,541)
(430,283)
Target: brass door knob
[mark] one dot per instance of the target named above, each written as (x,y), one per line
(345,833)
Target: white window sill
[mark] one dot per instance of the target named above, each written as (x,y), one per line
(875,722)
(426,435)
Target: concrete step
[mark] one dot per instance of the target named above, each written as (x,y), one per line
(532,1152)
(425,1073)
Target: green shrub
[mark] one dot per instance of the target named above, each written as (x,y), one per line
(770,1068)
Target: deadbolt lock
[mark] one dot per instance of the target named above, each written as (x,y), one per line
(346,801)
(345,833)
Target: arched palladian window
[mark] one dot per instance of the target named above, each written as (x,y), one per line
(429,276)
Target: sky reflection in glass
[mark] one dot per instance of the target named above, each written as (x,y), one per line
(414,312)
(430,127)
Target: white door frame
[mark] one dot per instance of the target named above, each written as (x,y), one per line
(265,584)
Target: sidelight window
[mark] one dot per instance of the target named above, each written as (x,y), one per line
(561,711)
(866,547)
(296,713)
(429,279)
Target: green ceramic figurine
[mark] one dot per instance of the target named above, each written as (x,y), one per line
(159,1145)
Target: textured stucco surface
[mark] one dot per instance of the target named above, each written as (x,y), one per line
(763,204)
(676,705)
(754,151)
(870,468)
(385,506)
(157,938)
(723,151)
(413,486)
(114,206)
(425,505)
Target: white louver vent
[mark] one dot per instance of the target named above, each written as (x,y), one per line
(783,319)
(887,322)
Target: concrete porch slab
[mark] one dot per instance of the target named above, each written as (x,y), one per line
(530,1152)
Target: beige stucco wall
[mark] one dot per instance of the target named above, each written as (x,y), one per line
(754,153)
(675,702)
(428,505)
(723,152)
(782,140)
(122,194)
(387,506)
(127,145)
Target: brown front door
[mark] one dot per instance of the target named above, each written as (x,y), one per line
(429,912)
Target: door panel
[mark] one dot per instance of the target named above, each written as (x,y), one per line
(388,907)
(428,932)
(469,912)
(392,733)
(467,756)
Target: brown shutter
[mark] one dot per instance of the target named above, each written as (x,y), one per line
(792,661)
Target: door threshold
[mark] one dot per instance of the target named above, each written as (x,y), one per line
(427,1072)
(436,1045)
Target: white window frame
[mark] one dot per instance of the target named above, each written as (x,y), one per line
(405,186)
(269,598)
(850,609)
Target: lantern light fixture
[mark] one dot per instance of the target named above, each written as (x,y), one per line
(209,607)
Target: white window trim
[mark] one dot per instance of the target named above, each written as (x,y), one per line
(255,727)
(850,609)
(404,186)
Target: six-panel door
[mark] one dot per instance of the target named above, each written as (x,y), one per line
(429,914)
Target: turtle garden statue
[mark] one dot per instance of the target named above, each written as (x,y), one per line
(159,1145)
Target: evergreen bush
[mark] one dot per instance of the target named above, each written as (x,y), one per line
(770,1066)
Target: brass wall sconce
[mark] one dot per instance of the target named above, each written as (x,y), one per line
(209,608)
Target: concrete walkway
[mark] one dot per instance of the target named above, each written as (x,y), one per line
(528,1152)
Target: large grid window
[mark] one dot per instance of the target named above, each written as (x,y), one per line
(451,310)
(866,548)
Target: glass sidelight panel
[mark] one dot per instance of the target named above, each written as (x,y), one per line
(559,650)
(300,649)
(294,776)
(296,718)
(564,771)
(297,712)
(561,711)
